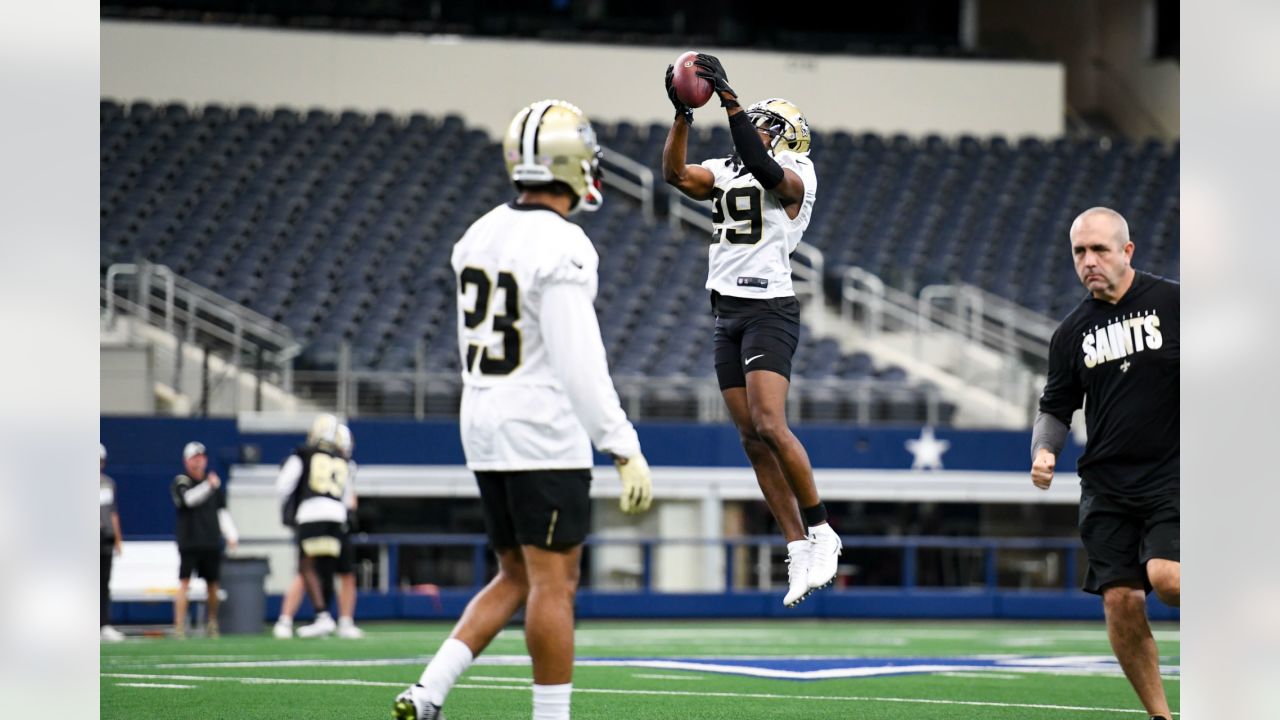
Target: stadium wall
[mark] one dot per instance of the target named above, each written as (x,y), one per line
(486,80)
(697,467)
(410,458)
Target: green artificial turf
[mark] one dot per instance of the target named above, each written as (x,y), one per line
(261,678)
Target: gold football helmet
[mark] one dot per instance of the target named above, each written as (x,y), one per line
(344,442)
(550,141)
(784,122)
(324,433)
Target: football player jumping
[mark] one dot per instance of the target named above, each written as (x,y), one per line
(537,395)
(761,200)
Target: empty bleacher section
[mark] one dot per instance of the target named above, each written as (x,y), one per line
(988,212)
(340,226)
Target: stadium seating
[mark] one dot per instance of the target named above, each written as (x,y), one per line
(340,227)
(988,213)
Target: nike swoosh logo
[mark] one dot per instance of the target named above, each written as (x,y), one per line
(576,264)
(753,357)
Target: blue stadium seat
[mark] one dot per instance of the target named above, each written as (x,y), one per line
(335,225)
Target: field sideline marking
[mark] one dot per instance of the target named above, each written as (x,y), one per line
(168,686)
(618,691)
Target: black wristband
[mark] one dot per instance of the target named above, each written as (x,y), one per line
(754,157)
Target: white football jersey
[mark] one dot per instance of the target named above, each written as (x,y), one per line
(753,237)
(537,391)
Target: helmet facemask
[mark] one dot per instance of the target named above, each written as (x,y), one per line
(783,122)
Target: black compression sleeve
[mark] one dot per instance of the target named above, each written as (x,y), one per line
(751,150)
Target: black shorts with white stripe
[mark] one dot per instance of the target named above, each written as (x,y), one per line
(548,509)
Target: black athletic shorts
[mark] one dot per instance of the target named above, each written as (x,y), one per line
(545,508)
(754,335)
(1121,534)
(204,562)
(326,539)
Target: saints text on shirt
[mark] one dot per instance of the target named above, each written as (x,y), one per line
(1122,337)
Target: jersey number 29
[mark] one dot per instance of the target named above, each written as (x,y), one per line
(504,323)
(730,202)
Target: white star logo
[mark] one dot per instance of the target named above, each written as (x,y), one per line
(927,450)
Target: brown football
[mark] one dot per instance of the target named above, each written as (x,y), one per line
(691,89)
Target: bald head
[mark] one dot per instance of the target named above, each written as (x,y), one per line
(1102,252)
(1103,222)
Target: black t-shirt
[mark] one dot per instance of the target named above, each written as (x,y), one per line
(197,525)
(1124,359)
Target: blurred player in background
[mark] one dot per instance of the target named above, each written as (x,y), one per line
(347,580)
(203,522)
(1120,349)
(109,532)
(316,492)
(761,200)
(537,394)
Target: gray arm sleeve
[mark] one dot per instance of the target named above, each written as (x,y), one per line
(1049,432)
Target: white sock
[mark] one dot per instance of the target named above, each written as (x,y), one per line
(451,660)
(346,621)
(820,529)
(551,702)
(285,620)
(324,617)
(797,546)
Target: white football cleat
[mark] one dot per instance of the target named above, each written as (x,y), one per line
(110,634)
(825,556)
(409,706)
(348,631)
(798,574)
(322,627)
(282,631)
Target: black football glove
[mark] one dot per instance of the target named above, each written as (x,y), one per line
(713,72)
(681,108)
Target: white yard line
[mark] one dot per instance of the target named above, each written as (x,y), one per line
(494,678)
(169,686)
(661,693)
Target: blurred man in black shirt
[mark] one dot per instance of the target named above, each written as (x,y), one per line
(202,523)
(1119,349)
(109,532)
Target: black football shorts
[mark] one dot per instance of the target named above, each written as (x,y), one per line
(754,335)
(326,539)
(548,509)
(203,562)
(1121,534)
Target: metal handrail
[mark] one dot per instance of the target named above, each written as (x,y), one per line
(643,189)
(340,390)
(910,545)
(990,319)
(203,311)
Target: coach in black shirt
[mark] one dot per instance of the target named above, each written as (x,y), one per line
(1119,349)
(202,523)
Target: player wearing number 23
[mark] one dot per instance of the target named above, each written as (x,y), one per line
(536,396)
(761,200)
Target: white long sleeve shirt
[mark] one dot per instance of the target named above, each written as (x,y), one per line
(537,392)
